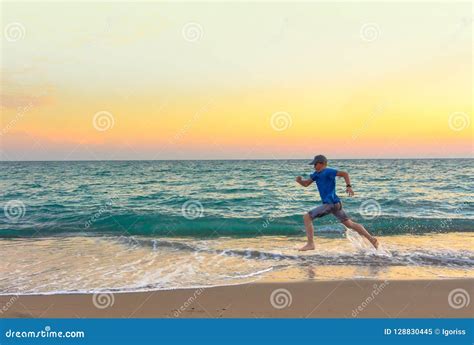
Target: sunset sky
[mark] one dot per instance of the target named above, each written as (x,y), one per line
(251,80)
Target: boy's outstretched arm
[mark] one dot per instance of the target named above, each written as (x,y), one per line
(344,174)
(304,183)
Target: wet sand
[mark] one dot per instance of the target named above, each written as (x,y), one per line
(306,299)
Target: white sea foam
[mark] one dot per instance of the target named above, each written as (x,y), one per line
(95,264)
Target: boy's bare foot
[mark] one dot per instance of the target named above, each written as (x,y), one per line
(374,242)
(308,246)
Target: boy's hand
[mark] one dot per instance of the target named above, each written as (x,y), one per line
(349,191)
(299,179)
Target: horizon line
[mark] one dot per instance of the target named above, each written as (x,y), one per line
(225,159)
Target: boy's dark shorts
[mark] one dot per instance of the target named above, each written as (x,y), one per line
(324,209)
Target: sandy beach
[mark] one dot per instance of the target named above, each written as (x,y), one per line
(306,299)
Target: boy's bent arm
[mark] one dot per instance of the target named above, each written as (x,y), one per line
(304,183)
(348,181)
(345,175)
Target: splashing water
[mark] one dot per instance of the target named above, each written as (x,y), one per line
(363,246)
(108,263)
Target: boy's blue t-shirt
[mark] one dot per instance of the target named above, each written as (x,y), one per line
(326,182)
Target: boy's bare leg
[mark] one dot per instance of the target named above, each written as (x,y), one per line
(308,223)
(362,231)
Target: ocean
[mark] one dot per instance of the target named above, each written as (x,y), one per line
(83,226)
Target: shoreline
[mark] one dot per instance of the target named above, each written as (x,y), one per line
(259,281)
(351,298)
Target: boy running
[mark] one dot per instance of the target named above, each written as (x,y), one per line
(325,179)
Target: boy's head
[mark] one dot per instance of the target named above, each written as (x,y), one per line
(319,162)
